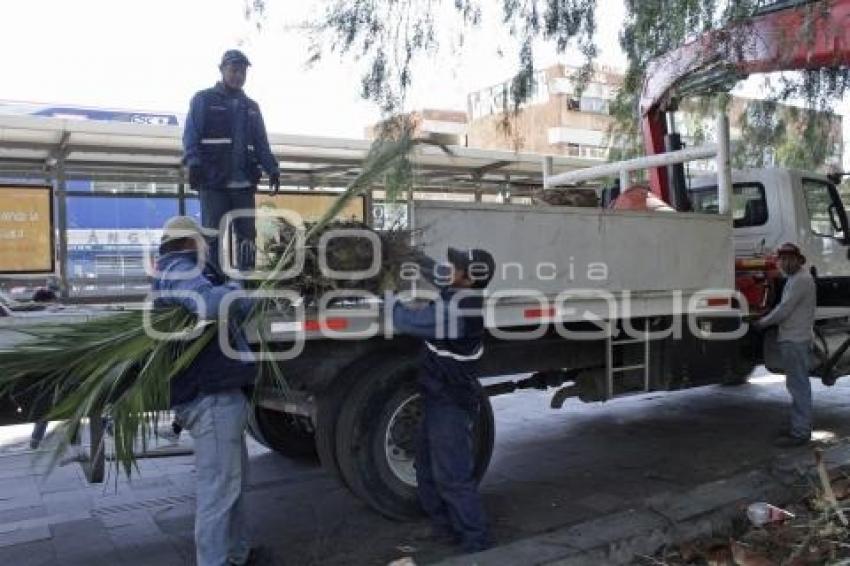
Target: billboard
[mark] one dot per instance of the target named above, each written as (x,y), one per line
(311,206)
(72,112)
(26,229)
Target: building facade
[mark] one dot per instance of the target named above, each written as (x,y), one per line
(557,120)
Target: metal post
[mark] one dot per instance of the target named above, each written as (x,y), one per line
(62,226)
(548,168)
(624,181)
(181,194)
(609,169)
(411,216)
(671,122)
(724,171)
(94,463)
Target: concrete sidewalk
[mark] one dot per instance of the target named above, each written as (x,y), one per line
(707,510)
(588,469)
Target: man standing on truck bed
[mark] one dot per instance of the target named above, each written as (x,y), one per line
(225,147)
(452,327)
(795,317)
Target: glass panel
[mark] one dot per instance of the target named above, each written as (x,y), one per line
(749,207)
(594,105)
(193,209)
(818,199)
(77,185)
(109,239)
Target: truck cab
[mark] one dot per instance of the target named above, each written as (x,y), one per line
(775,205)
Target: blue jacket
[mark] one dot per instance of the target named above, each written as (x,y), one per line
(212,371)
(452,345)
(225,136)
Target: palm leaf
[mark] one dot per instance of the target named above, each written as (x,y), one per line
(111,366)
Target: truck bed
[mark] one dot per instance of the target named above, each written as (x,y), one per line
(544,251)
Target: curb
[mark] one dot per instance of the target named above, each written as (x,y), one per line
(668,518)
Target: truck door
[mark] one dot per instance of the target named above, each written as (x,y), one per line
(823,235)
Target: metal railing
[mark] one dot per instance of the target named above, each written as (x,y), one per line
(621,169)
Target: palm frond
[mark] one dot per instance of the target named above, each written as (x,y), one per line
(110,366)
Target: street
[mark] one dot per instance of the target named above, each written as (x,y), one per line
(550,468)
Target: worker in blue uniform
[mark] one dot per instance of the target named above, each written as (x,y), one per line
(210,398)
(452,328)
(225,147)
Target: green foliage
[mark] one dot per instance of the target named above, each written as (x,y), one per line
(390,35)
(794,137)
(107,366)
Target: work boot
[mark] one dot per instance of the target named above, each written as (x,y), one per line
(473,546)
(791,441)
(257,556)
(438,534)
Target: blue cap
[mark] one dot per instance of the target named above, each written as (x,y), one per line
(477,260)
(234,56)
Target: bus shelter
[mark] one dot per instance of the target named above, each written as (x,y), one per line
(114,184)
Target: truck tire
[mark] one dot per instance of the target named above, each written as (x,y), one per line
(329,404)
(288,435)
(376,433)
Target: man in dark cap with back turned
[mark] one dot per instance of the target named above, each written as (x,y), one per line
(453,329)
(225,148)
(795,317)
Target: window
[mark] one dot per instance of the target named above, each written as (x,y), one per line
(495,99)
(586,151)
(749,206)
(573,104)
(594,152)
(823,218)
(193,208)
(593,105)
(109,239)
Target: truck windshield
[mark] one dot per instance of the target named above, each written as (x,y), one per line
(749,207)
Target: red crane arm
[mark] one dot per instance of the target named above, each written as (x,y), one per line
(809,35)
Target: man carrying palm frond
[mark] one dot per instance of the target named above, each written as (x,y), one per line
(209,398)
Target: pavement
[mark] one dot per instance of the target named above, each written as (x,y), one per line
(587,484)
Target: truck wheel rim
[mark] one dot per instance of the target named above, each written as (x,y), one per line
(400,439)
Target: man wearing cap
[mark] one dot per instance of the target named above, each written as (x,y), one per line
(225,148)
(795,317)
(209,397)
(452,328)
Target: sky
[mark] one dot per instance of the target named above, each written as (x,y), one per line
(154,55)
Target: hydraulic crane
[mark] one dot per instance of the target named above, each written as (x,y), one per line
(784,36)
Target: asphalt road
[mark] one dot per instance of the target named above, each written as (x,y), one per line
(551,468)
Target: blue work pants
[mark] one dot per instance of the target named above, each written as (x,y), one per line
(215,203)
(445,463)
(796,357)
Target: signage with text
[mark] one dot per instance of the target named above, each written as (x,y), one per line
(26,229)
